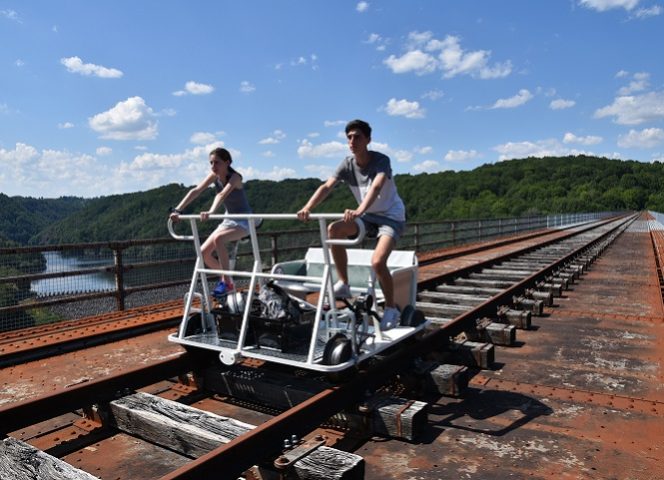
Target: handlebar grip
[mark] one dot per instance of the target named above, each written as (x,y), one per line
(350,241)
(169,224)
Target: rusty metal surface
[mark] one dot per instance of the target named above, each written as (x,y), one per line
(553,408)
(31,379)
(580,397)
(28,344)
(17,415)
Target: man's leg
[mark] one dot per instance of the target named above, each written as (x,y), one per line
(383,249)
(341,229)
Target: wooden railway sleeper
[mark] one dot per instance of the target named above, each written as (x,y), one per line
(545,296)
(536,307)
(554,289)
(496,333)
(518,318)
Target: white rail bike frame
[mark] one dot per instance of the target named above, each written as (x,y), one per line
(230,355)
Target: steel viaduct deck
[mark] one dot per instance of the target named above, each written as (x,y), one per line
(578,395)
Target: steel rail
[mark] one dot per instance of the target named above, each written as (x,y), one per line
(240,454)
(29,412)
(430,282)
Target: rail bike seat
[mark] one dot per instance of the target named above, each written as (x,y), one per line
(401,263)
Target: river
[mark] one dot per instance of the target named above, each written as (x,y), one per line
(92,282)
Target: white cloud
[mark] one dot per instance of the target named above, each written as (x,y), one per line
(362,7)
(561,104)
(202,138)
(334,123)
(128,120)
(646,138)
(313,135)
(587,140)
(516,101)
(276,174)
(379,42)
(539,148)
(643,13)
(19,63)
(22,154)
(433,95)
(268,154)
(461,155)
(404,108)
(246,87)
(426,54)
(323,150)
(622,73)
(639,83)
(65,125)
(414,61)
(56,172)
(167,112)
(320,171)
(373,38)
(400,156)
(634,110)
(604,5)
(429,166)
(302,61)
(194,88)
(76,65)
(276,137)
(10,15)
(103,151)
(4,108)
(424,150)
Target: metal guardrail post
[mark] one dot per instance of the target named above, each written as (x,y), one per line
(273,248)
(417,237)
(119,277)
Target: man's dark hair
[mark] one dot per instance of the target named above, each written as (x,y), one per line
(222,154)
(360,125)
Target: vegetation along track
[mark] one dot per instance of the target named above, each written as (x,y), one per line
(471,308)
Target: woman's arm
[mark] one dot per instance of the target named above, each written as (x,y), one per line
(192,195)
(234,182)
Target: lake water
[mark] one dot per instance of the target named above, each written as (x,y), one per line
(93,282)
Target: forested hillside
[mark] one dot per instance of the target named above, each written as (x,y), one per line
(23,217)
(504,189)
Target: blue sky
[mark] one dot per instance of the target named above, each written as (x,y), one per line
(98,98)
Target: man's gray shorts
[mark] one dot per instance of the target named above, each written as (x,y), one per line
(378,225)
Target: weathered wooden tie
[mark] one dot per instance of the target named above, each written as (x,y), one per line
(21,461)
(194,432)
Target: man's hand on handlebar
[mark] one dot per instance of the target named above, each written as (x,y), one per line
(304,214)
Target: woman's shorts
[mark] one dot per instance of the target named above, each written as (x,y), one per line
(227,224)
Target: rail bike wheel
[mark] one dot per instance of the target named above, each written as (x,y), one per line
(338,349)
(411,317)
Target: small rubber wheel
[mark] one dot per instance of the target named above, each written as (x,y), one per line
(411,317)
(338,349)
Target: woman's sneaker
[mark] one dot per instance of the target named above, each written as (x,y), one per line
(341,290)
(222,288)
(390,319)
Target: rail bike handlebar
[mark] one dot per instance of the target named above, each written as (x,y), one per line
(273,216)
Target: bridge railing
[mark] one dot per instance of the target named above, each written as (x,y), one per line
(50,283)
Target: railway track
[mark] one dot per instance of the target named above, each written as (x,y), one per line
(296,426)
